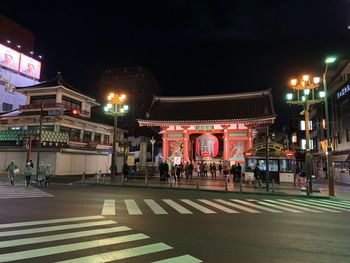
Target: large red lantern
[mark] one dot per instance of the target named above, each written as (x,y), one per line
(207,145)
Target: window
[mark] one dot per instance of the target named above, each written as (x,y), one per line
(286,165)
(294,138)
(97,137)
(302,125)
(303,144)
(47,100)
(70,103)
(87,136)
(6,106)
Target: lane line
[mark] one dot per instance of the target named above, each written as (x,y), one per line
(156,208)
(280,207)
(257,206)
(180,259)
(121,254)
(293,206)
(309,205)
(177,207)
(198,206)
(323,205)
(47,251)
(108,207)
(50,221)
(42,239)
(243,208)
(54,228)
(132,207)
(217,206)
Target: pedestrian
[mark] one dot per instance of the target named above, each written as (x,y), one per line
(27,174)
(126,171)
(257,176)
(191,170)
(205,170)
(11,172)
(187,170)
(166,170)
(233,172)
(238,172)
(41,173)
(214,170)
(172,173)
(220,168)
(178,171)
(226,172)
(48,174)
(31,164)
(161,171)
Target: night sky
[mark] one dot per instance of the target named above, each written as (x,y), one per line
(192,47)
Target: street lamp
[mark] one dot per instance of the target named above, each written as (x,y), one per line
(328,60)
(115,107)
(305,96)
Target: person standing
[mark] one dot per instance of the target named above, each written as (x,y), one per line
(11,172)
(48,174)
(239,172)
(220,168)
(27,174)
(41,173)
(191,170)
(257,176)
(178,171)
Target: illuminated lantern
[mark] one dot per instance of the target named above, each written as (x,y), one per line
(207,145)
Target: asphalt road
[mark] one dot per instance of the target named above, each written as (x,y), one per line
(161,224)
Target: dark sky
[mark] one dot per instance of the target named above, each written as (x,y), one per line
(192,47)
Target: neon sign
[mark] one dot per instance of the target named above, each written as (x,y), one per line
(345,90)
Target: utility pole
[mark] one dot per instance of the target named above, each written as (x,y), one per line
(40,132)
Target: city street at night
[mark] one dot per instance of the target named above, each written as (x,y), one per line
(107,223)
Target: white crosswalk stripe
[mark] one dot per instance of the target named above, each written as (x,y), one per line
(101,235)
(333,202)
(132,207)
(206,206)
(19,191)
(108,207)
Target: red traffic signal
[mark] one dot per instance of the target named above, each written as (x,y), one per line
(72,112)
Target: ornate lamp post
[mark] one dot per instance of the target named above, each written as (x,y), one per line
(304,89)
(153,141)
(115,108)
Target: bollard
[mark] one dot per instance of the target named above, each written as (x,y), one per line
(83,177)
(273,183)
(226,184)
(146,179)
(307,187)
(197,183)
(240,185)
(122,181)
(104,178)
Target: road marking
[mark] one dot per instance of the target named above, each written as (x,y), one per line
(108,207)
(198,206)
(220,207)
(280,207)
(121,254)
(294,206)
(54,228)
(40,252)
(50,221)
(177,207)
(18,191)
(243,208)
(309,205)
(132,207)
(180,259)
(256,206)
(323,205)
(334,203)
(157,209)
(36,240)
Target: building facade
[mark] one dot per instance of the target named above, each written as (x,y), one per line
(71,143)
(210,128)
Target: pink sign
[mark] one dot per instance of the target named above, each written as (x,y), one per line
(30,66)
(9,58)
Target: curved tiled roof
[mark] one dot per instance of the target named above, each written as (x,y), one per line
(225,107)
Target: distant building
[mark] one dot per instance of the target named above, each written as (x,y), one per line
(139,84)
(17,66)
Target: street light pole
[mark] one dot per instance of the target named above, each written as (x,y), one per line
(40,135)
(328,136)
(113,169)
(308,156)
(153,141)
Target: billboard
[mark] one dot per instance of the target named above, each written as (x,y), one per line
(9,58)
(30,66)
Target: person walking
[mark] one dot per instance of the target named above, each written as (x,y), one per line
(11,173)
(233,172)
(28,170)
(178,171)
(48,174)
(220,168)
(238,172)
(191,170)
(213,170)
(41,173)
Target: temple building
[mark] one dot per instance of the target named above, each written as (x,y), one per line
(212,128)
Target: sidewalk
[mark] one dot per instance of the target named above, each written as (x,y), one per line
(342,191)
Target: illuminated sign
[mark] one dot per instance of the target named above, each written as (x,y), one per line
(19,62)
(345,90)
(30,66)
(9,58)
(205,128)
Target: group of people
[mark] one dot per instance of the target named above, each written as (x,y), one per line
(175,171)
(44,173)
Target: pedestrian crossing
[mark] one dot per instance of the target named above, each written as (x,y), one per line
(19,191)
(96,238)
(219,206)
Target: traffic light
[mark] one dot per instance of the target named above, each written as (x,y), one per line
(72,112)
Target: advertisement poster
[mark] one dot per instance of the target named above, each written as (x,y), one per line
(9,58)
(30,66)
(175,149)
